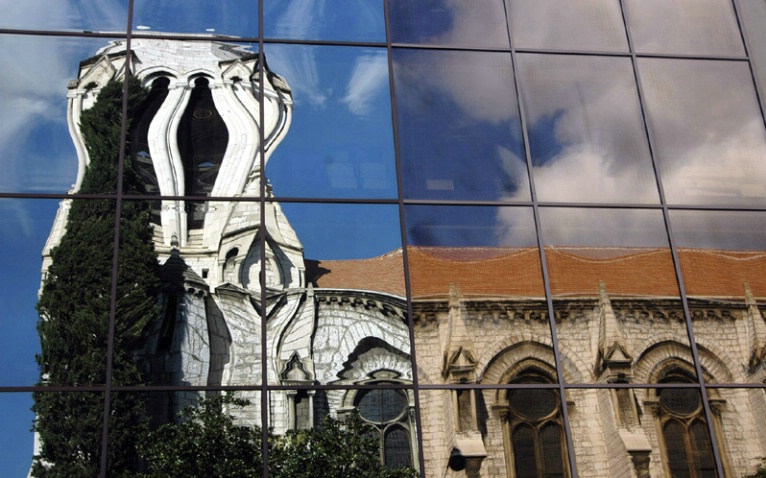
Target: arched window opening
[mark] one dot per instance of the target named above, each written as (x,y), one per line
(139,142)
(202,140)
(535,429)
(688,450)
(387,412)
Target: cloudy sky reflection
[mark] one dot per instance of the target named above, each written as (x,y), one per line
(340,142)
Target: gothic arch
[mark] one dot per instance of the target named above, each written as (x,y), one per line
(658,354)
(503,355)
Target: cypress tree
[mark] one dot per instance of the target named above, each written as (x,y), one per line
(75,302)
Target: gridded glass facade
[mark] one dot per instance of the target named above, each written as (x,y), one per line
(521,238)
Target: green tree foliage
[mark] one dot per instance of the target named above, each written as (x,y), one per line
(75,302)
(760,472)
(207,443)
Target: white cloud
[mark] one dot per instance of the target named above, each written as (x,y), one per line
(368,78)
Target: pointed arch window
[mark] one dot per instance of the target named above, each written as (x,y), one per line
(534,429)
(687,448)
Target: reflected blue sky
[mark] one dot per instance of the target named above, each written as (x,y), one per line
(340,142)
(231,17)
(349,20)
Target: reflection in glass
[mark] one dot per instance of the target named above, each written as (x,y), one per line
(354,20)
(446,22)
(346,320)
(38,154)
(477,290)
(232,18)
(25,225)
(103,15)
(340,142)
(723,261)
(753,17)
(16,434)
(594,25)
(586,136)
(708,131)
(516,431)
(693,27)
(72,423)
(611,271)
(458,125)
(640,432)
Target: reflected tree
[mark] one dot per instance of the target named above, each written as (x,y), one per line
(74,308)
(207,443)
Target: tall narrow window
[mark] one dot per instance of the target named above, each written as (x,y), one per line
(535,430)
(687,445)
(202,139)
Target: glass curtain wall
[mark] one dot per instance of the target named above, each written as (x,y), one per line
(497,238)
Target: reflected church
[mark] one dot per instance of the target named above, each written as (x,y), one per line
(478,314)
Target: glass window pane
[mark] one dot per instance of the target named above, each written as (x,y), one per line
(340,141)
(551,443)
(92,15)
(708,131)
(753,17)
(480,156)
(448,22)
(738,413)
(612,269)
(25,226)
(586,136)
(16,434)
(673,434)
(723,263)
(694,27)
(583,25)
(475,275)
(230,18)
(39,82)
(350,20)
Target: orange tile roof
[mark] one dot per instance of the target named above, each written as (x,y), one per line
(574,271)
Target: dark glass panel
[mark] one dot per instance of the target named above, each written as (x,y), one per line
(674,436)
(694,27)
(708,131)
(231,18)
(40,94)
(583,25)
(551,438)
(340,141)
(397,451)
(586,135)
(446,22)
(351,20)
(479,156)
(524,452)
(89,15)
